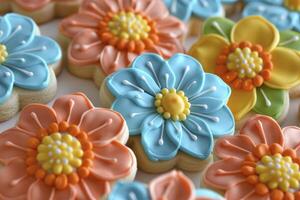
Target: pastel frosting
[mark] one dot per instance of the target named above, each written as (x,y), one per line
(260,162)
(98,40)
(69,151)
(172,104)
(24,55)
(171,186)
(185,9)
(255,59)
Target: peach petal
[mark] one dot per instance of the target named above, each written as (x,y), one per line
(91,188)
(31,5)
(291,138)
(97,7)
(156,10)
(171,27)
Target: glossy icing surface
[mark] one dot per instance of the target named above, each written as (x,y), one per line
(96,40)
(88,133)
(174,105)
(250,162)
(171,186)
(230,50)
(24,56)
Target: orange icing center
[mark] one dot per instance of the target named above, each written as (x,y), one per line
(128,30)
(292,4)
(244,66)
(60,159)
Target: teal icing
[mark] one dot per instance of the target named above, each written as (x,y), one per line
(229,1)
(28,55)
(129,191)
(205,193)
(184,9)
(135,89)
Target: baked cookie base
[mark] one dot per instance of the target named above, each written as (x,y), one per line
(232,9)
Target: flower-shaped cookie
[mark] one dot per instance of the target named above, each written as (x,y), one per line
(171,186)
(261,162)
(40,10)
(172,104)
(108,35)
(70,151)
(248,56)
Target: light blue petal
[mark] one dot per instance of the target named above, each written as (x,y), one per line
(141,99)
(205,193)
(190,76)
(272,2)
(182,9)
(125,191)
(206,105)
(297,23)
(30,71)
(6,83)
(281,17)
(127,80)
(205,8)
(197,139)
(5,28)
(45,48)
(134,115)
(220,123)
(156,67)
(155,140)
(229,1)
(22,32)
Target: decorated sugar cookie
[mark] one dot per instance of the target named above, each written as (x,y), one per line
(260,162)
(40,10)
(173,110)
(27,65)
(250,57)
(171,186)
(69,151)
(106,36)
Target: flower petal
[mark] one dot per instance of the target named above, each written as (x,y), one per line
(155,139)
(291,137)
(5,28)
(244,189)
(173,185)
(91,188)
(290,39)
(180,9)
(156,10)
(286,71)
(7,79)
(10,187)
(30,71)
(112,161)
(71,107)
(138,190)
(206,105)
(271,102)
(241,102)
(102,125)
(167,46)
(83,21)
(171,27)
(263,129)
(36,116)
(190,76)
(155,66)
(85,49)
(207,50)
(253,29)
(211,25)
(205,11)
(32,5)
(238,146)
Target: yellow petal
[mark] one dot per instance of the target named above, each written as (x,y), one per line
(286,71)
(256,30)
(241,102)
(207,49)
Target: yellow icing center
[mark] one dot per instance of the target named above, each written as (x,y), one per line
(172,104)
(3,53)
(245,62)
(279,171)
(60,153)
(129,26)
(292,4)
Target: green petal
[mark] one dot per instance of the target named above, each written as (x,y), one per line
(290,39)
(218,25)
(270,101)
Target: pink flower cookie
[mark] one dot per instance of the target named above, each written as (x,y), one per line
(70,151)
(105,36)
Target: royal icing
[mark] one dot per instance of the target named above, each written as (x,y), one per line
(229,1)
(184,9)
(69,151)
(173,105)
(260,162)
(111,34)
(171,186)
(24,55)
(259,69)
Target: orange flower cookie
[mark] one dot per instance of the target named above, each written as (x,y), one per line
(105,36)
(40,10)
(70,151)
(261,162)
